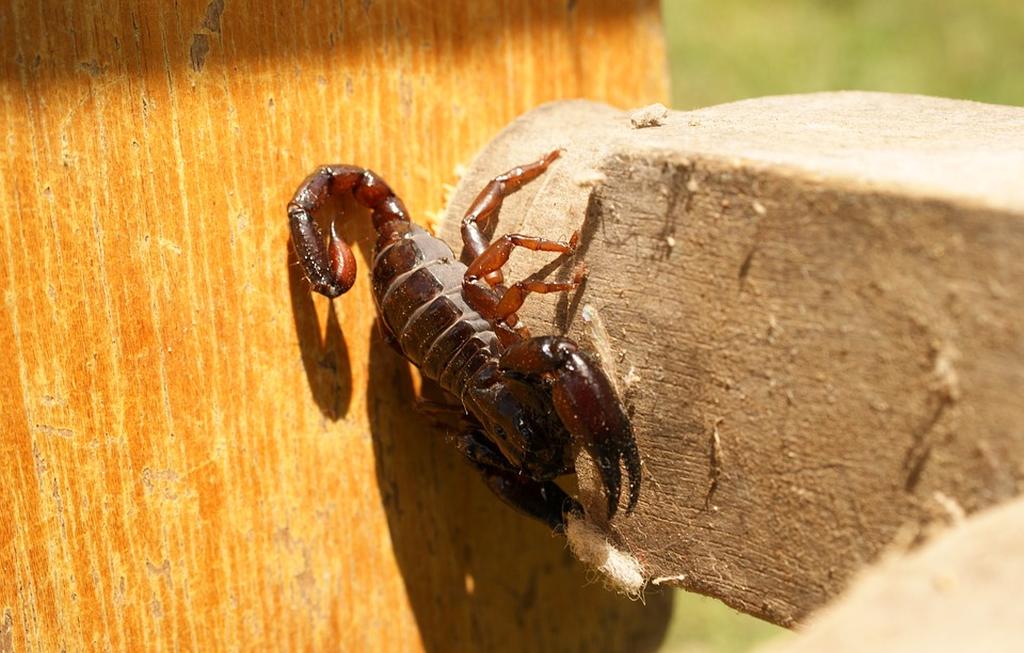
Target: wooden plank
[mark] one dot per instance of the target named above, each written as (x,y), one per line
(197,454)
(959,592)
(813,305)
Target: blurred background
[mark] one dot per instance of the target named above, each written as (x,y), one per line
(725,50)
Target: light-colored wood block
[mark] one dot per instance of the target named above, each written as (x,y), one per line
(813,305)
(960,592)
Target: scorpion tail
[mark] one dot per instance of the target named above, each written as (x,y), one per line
(331,268)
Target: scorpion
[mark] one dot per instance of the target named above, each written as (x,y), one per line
(526,401)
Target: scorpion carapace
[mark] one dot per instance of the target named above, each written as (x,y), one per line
(527,400)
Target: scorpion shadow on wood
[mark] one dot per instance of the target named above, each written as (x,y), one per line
(325,357)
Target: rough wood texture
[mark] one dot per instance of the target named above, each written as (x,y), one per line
(958,593)
(814,307)
(194,455)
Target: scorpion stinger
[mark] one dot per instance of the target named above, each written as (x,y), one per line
(528,400)
(332,270)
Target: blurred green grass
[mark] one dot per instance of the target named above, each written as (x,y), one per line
(725,50)
(703,625)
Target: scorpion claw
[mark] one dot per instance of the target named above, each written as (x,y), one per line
(586,404)
(611,455)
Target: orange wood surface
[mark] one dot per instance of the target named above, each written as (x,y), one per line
(196,454)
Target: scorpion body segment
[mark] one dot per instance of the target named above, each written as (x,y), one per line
(417,285)
(528,400)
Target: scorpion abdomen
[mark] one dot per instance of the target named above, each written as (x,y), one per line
(417,285)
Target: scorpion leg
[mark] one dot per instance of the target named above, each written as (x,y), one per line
(485,301)
(488,202)
(514,297)
(586,403)
(543,500)
(489,258)
(489,263)
(500,304)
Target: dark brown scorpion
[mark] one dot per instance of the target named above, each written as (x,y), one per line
(528,400)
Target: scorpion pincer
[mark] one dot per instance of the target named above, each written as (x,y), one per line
(528,400)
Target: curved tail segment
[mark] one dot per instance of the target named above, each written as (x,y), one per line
(331,267)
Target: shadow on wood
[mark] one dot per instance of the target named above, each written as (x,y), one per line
(478,575)
(325,358)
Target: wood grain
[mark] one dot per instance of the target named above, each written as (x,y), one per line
(813,305)
(197,455)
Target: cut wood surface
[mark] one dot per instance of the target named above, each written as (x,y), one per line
(813,306)
(960,592)
(196,453)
